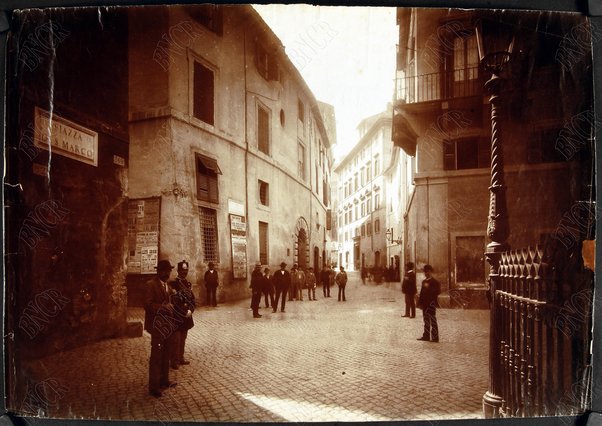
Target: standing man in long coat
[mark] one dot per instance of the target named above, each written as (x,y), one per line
(408,288)
(160,323)
(325,278)
(427,301)
(282,282)
(184,303)
(211,283)
(256,289)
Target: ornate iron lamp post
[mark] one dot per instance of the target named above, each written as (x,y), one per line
(495,42)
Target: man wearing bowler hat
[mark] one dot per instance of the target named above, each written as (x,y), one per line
(184,304)
(256,288)
(160,323)
(282,282)
(427,301)
(211,283)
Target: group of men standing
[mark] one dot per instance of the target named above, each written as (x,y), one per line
(168,317)
(427,300)
(275,288)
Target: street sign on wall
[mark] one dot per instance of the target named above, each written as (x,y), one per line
(143,235)
(238,236)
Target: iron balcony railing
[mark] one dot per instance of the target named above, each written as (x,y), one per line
(438,86)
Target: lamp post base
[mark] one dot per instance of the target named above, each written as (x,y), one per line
(491,405)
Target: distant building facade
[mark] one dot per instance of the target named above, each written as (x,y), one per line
(361,212)
(230,143)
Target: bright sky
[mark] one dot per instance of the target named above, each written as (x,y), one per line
(345,54)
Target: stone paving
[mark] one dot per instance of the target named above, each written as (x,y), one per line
(319,361)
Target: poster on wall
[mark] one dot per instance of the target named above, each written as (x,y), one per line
(143,235)
(238,235)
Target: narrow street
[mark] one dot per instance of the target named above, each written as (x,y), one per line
(318,361)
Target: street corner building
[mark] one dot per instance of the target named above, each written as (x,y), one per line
(146,133)
(495,108)
(230,142)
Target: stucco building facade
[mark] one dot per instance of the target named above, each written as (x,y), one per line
(231,141)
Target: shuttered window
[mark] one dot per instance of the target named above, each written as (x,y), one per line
(206,174)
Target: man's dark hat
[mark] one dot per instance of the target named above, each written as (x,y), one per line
(183,266)
(283,265)
(164,265)
(428,268)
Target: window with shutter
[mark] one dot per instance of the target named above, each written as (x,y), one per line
(206,177)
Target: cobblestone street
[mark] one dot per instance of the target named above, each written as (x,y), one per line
(318,361)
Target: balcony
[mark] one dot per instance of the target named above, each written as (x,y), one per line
(438,86)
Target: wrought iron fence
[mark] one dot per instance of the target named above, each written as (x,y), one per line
(544,311)
(438,86)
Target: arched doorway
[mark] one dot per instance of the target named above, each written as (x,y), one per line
(301,255)
(302,249)
(316,259)
(376,259)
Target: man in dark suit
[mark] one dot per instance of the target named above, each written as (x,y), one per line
(282,282)
(256,288)
(184,303)
(325,278)
(211,283)
(408,288)
(427,301)
(160,323)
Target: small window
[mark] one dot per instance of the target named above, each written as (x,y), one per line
(261,60)
(465,154)
(301,109)
(376,165)
(208,15)
(376,226)
(264,193)
(282,118)
(363,230)
(203,102)
(263,130)
(369,228)
(206,174)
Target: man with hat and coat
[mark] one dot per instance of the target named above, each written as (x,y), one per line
(211,283)
(256,289)
(183,301)
(427,301)
(160,323)
(282,282)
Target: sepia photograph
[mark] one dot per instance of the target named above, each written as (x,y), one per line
(299,213)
